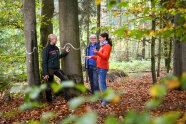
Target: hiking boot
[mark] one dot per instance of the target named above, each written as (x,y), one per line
(48,96)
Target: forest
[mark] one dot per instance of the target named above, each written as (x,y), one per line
(146,78)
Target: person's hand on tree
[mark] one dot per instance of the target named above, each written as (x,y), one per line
(67,49)
(87,57)
(46,77)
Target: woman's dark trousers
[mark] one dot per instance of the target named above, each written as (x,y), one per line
(60,74)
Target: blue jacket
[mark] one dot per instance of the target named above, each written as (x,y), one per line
(87,54)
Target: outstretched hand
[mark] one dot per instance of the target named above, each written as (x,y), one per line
(95,51)
(67,49)
(87,57)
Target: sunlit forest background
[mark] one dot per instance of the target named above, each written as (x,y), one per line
(147,60)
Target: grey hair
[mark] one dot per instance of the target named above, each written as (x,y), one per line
(51,36)
(93,35)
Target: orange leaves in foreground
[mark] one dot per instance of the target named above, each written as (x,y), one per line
(127,32)
(136,94)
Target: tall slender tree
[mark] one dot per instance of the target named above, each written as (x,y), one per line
(98,20)
(159,49)
(31,42)
(143,49)
(153,44)
(69,33)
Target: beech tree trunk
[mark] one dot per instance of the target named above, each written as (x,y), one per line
(88,19)
(98,20)
(159,49)
(31,42)
(69,33)
(159,57)
(46,28)
(153,46)
(143,49)
(179,63)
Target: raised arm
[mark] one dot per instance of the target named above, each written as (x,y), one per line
(65,52)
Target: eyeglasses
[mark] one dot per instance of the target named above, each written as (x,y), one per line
(93,38)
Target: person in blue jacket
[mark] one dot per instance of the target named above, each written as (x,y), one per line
(90,64)
(51,64)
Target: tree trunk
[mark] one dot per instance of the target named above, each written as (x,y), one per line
(31,42)
(137,55)
(69,33)
(46,22)
(179,63)
(88,19)
(98,20)
(169,55)
(143,49)
(153,46)
(166,53)
(149,50)
(159,49)
(46,28)
(127,51)
(159,57)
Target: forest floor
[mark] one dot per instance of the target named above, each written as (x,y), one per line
(136,94)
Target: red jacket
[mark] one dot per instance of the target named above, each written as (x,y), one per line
(103,56)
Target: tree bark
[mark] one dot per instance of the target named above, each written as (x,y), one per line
(153,46)
(143,49)
(69,33)
(159,57)
(179,63)
(31,42)
(46,28)
(149,50)
(159,49)
(98,20)
(88,19)
(137,55)
(167,53)
(127,51)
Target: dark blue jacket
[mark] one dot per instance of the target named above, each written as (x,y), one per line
(51,58)
(87,54)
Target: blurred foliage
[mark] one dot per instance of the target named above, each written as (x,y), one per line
(173,82)
(157,92)
(139,12)
(11,14)
(12,54)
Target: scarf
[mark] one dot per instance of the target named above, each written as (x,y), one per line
(102,44)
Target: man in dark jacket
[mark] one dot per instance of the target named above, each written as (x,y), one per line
(90,64)
(51,64)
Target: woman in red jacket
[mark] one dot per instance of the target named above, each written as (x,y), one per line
(103,60)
